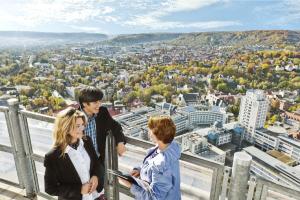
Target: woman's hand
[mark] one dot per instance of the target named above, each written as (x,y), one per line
(85,188)
(94,183)
(125,183)
(135,173)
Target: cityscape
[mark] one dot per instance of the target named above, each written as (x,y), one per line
(217,109)
(227,91)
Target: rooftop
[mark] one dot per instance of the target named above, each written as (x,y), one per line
(282,157)
(268,132)
(273,162)
(292,141)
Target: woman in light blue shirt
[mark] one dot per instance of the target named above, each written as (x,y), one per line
(158,178)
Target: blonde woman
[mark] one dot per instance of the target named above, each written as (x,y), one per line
(73,171)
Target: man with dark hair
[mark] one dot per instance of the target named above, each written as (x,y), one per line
(100,123)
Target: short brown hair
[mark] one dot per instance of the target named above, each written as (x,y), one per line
(163,128)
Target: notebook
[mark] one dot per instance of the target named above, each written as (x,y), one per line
(122,175)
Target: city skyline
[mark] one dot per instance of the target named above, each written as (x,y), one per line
(142,16)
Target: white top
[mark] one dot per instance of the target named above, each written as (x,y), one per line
(81,162)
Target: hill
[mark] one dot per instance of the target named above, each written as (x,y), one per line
(133,39)
(236,39)
(28,39)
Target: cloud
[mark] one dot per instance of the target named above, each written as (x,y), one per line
(139,5)
(38,12)
(88,29)
(292,8)
(280,13)
(156,24)
(154,21)
(183,5)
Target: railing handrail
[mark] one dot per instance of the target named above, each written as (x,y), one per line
(38,116)
(263,186)
(3,109)
(204,162)
(217,168)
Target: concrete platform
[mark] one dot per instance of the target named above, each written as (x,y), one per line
(8,192)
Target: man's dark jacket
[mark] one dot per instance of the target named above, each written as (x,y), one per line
(105,124)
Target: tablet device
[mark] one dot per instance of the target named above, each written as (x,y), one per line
(120,174)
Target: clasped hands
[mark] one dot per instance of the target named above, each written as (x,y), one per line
(90,186)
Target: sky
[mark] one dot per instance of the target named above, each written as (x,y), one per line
(147,16)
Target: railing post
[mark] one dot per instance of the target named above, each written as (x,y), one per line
(23,160)
(240,176)
(225,183)
(14,149)
(111,162)
(252,184)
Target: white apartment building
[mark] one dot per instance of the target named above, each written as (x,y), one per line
(253,112)
(198,145)
(203,115)
(135,123)
(194,143)
(265,139)
(219,135)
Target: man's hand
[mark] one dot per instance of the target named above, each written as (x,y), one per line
(94,183)
(121,148)
(135,173)
(125,183)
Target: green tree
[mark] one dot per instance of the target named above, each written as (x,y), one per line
(223,87)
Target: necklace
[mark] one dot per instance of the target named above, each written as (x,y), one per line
(75,145)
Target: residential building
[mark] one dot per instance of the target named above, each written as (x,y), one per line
(253,112)
(219,135)
(289,146)
(265,139)
(202,115)
(188,99)
(198,145)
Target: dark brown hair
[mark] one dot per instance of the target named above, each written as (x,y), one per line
(89,94)
(163,128)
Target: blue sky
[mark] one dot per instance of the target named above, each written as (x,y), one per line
(144,16)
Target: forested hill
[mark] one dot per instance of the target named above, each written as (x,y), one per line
(132,39)
(275,38)
(236,39)
(23,38)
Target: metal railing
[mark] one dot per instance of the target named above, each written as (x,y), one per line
(25,158)
(265,188)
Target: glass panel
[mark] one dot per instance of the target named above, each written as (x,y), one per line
(41,136)
(125,197)
(274,195)
(4,137)
(8,168)
(40,170)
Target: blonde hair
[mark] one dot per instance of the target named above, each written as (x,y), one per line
(64,123)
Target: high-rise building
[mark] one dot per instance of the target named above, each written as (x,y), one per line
(253,112)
